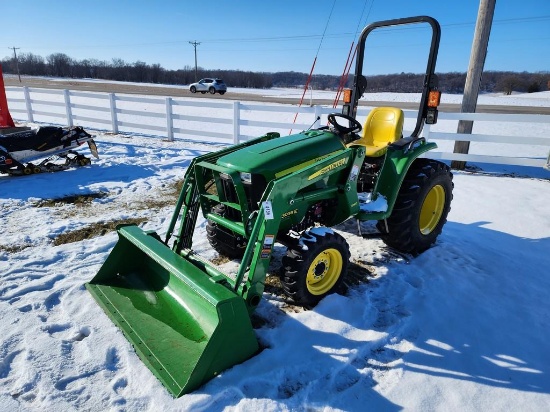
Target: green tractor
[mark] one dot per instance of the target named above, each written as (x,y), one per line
(188,320)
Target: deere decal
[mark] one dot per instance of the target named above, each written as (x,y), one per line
(289,213)
(328,168)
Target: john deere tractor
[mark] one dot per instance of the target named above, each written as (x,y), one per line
(187,319)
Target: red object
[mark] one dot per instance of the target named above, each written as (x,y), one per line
(5,116)
(305,90)
(345,73)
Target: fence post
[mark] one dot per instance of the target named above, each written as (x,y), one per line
(426,131)
(28,103)
(114,120)
(473,76)
(318,113)
(169,120)
(68,107)
(236,121)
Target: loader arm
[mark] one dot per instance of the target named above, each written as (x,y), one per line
(188,192)
(188,320)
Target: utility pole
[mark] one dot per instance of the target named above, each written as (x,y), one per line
(16,61)
(473,77)
(195,44)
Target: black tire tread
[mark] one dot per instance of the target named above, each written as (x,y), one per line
(212,234)
(296,262)
(403,223)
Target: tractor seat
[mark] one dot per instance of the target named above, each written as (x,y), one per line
(384,125)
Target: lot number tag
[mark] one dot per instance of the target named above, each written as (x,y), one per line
(268,210)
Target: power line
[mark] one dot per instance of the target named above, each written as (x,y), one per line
(195,44)
(16,61)
(351,55)
(314,61)
(298,37)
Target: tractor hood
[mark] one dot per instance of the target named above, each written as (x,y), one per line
(283,155)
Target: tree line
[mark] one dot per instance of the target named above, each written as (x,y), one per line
(61,65)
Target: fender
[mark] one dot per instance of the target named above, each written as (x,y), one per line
(399,158)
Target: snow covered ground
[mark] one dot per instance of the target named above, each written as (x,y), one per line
(516,99)
(465,326)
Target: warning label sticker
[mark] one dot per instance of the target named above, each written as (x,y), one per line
(267,245)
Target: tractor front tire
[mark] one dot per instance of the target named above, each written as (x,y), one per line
(421,207)
(222,240)
(315,269)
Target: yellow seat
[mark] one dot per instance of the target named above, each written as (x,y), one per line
(384,125)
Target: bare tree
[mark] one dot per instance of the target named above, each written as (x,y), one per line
(139,71)
(32,64)
(508,84)
(59,65)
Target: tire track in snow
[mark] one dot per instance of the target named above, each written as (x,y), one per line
(22,290)
(9,350)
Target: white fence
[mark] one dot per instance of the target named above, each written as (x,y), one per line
(527,143)
(525,140)
(201,119)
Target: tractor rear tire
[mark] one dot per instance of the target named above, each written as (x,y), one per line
(311,272)
(216,235)
(421,207)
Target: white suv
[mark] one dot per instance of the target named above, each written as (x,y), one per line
(208,85)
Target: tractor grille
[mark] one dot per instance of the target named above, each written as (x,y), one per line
(231,196)
(253,192)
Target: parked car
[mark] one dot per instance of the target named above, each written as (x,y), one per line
(208,85)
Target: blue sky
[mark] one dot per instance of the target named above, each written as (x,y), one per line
(272,36)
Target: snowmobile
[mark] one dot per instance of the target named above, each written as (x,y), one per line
(45,146)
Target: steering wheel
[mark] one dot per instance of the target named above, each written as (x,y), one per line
(354,128)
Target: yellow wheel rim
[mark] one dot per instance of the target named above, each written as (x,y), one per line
(324,271)
(432,209)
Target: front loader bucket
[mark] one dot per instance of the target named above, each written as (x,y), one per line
(185,327)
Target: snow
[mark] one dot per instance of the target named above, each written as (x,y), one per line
(366,204)
(516,99)
(464,326)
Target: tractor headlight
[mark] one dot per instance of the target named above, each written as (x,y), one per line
(246,178)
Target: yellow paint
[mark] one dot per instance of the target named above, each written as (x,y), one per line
(328,168)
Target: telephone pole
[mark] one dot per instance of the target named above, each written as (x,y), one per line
(16,61)
(473,77)
(195,44)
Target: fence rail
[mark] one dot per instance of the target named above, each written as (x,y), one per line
(236,121)
(518,139)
